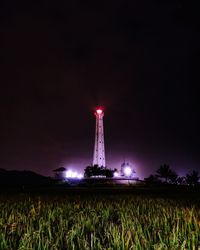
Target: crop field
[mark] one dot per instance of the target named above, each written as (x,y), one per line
(99,222)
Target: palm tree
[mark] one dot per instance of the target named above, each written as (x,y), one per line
(192,178)
(180,180)
(164,172)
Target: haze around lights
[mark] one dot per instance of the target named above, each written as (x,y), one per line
(73,175)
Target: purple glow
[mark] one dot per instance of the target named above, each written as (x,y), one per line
(80,176)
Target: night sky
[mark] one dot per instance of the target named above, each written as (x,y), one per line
(138,59)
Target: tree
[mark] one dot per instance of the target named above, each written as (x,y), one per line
(173,177)
(98,171)
(109,172)
(180,180)
(192,178)
(164,172)
(88,171)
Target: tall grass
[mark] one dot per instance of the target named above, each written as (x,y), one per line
(109,222)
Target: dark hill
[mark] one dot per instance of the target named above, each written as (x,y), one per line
(22,178)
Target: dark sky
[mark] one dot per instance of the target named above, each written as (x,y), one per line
(139,59)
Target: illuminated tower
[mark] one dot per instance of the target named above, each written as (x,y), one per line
(99,148)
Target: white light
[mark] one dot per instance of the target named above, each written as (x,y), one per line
(68,174)
(127,171)
(116,174)
(79,176)
(74,174)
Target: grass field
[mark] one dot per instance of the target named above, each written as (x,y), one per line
(98,222)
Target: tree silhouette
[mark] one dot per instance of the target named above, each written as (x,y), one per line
(180,180)
(173,177)
(152,179)
(95,170)
(164,172)
(192,178)
(88,172)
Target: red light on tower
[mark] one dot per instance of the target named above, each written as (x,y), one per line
(99,111)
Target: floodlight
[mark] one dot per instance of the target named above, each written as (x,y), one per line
(127,171)
(74,175)
(68,174)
